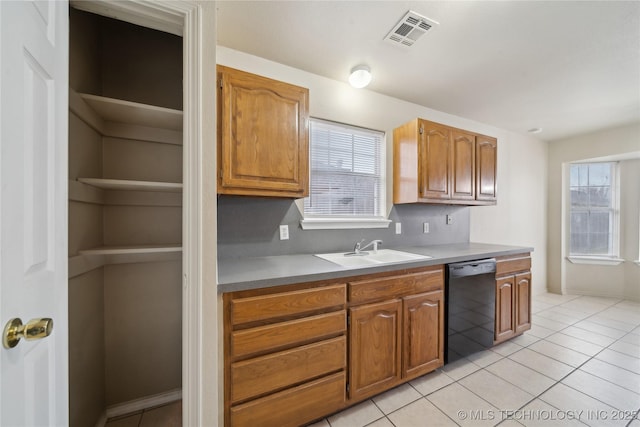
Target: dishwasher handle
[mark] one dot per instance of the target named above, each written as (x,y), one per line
(472,268)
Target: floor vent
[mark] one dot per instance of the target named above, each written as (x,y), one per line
(409,29)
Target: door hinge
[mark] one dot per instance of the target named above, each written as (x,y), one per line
(220,83)
(421,130)
(348,388)
(348,319)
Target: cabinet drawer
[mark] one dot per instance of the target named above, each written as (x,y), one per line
(513,264)
(293,407)
(264,374)
(286,334)
(396,286)
(252,309)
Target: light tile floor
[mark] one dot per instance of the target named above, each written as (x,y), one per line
(578,365)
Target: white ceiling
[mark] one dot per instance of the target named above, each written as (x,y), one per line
(569,67)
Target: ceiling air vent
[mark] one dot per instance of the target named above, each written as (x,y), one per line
(411,27)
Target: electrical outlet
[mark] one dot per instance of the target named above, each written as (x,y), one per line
(425,227)
(284,232)
(398,228)
(449,220)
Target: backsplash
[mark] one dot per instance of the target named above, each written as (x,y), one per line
(249,227)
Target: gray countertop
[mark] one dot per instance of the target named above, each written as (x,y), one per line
(238,274)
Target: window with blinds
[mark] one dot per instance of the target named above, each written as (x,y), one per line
(594,209)
(347,177)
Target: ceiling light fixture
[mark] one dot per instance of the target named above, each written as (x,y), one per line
(535,130)
(360,76)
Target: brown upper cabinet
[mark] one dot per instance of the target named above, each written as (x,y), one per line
(263,137)
(434,163)
(486,164)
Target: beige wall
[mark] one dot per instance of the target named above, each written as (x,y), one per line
(520,216)
(604,280)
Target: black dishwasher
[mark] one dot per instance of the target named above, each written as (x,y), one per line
(470,298)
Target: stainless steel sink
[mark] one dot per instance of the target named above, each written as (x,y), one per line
(370,259)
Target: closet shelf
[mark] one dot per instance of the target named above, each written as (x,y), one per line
(130,185)
(125,119)
(132,250)
(117,110)
(90,259)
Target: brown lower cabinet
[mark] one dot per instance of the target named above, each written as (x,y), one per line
(396,329)
(513,296)
(375,333)
(285,354)
(297,353)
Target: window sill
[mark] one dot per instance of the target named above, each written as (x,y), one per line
(343,223)
(595,260)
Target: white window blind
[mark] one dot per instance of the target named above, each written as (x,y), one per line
(594,209)
(347,172)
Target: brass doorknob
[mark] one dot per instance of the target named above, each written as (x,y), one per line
(35,329)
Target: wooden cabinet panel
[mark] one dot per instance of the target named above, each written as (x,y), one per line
(263,136)
(513,283)
(435,161)
(293,407)
(487,164)
(261,375)
(423,344)
(464,165)
(505,296)
(285,354)
(286,304)
(405,163)
(374,361)
(285,334)
(523,302)
(512,264)
(385,288)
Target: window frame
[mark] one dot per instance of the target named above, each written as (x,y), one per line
(341,221)
(613,257)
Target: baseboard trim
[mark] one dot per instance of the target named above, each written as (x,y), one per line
(143,403)
(102,421)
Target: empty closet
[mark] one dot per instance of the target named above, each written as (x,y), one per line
(125,218)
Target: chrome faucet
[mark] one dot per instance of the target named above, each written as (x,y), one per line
(358,248)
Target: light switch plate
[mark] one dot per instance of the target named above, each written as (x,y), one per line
(425,227)
(398,228)
(449,220)
(284,232)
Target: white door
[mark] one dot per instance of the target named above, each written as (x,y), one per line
(34,384)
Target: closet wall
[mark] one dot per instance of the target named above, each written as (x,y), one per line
(125,215)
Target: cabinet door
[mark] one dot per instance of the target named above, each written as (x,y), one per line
(464,165)
(263,131)
(434,161)
(374,360)
(486,169)
(423,344)
(523,302)
(505,310)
